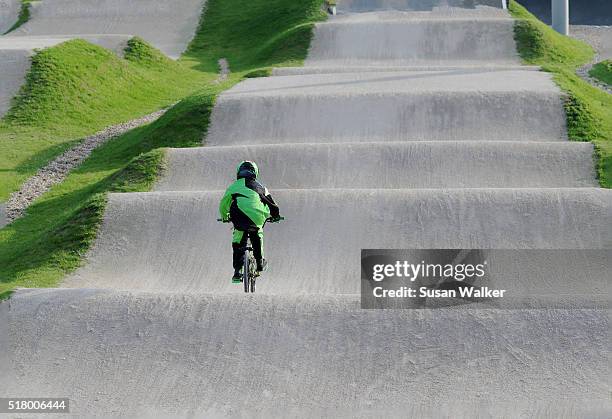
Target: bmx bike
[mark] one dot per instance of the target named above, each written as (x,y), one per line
(249,268)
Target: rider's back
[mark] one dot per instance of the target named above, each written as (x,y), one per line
(246,195)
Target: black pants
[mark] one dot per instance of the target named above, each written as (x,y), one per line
(256,243)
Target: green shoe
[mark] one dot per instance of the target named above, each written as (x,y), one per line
(237,278)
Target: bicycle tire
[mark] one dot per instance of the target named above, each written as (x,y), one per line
(245,271)
(253,277)
(253,273)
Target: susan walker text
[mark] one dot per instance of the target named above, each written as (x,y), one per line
(424,292)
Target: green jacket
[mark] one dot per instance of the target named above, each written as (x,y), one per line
(248,204)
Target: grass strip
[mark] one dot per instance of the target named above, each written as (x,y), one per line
(254,33)
(588,109)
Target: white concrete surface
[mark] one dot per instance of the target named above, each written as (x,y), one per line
(399,165)
(401,38)
(115,43)
(169,241)
(169,26)
(382,67)
(14,65)
(9,13)
(3,219)
(7,355)
(420,5)
(289,356)
(16,53)
(469,158)
(396,106)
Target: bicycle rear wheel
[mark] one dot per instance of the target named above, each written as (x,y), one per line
(252,272)
(246,275)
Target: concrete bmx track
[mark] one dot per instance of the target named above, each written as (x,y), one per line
(168,26)
(9,12)
(463,150)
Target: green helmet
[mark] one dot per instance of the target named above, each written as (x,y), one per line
(247,169)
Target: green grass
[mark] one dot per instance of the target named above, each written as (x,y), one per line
(602,71)
(260,72)
(75,89)
(24,15)
(58,229)
(589,110)
(38,249)
(254,33)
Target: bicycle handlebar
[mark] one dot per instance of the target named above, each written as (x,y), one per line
(269,220)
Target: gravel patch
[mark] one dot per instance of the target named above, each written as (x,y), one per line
(600,38)
(57,170)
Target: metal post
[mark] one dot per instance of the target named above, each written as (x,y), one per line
(504,4)
(560,16)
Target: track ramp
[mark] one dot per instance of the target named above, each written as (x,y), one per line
(175,355)
(459,6)
(395,106)
(169,26)
(168,241)
(408,165)
(440,141)
(9,13)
